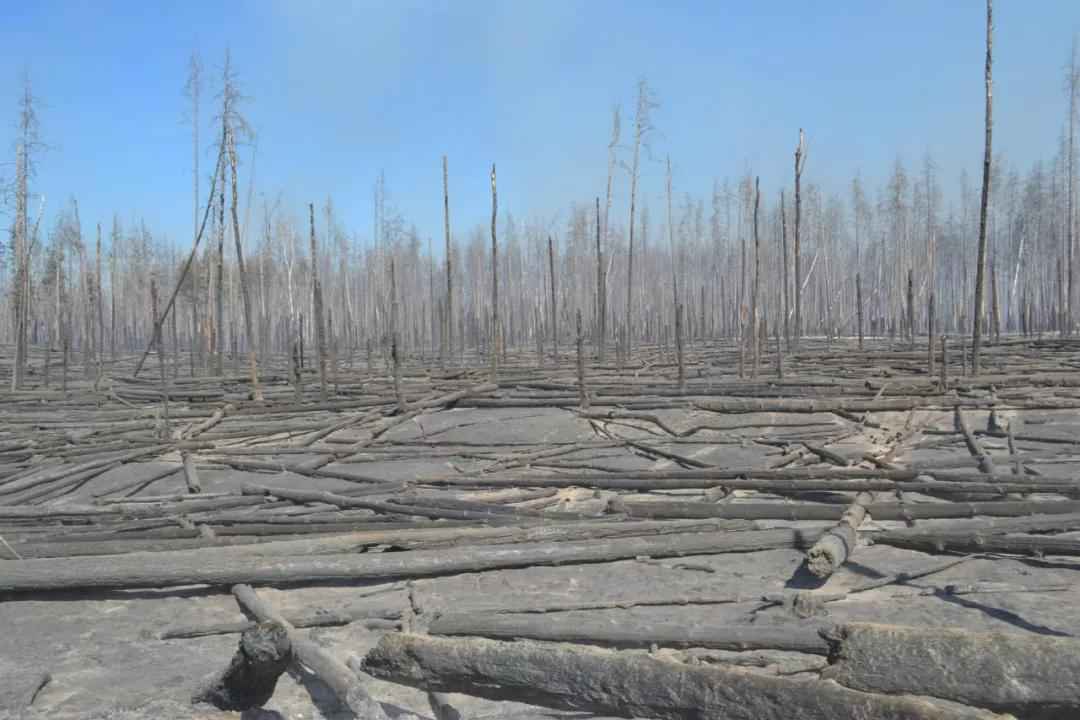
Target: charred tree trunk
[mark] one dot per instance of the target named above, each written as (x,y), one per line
(317,306)
(554,303)
(601,293)
(448,317)
(980,263)
(800,159)
(245,293)
(494,282)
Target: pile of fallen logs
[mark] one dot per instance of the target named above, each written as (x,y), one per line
(121,484)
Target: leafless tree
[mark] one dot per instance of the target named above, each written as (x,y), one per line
(980,266)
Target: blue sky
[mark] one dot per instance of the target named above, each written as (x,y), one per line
(339,91)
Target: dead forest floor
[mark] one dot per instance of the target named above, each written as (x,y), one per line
(663,529)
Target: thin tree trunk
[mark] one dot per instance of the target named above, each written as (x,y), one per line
(679,357)
(100,310)
(249,329)
(554,303)
(449,314)
(494,282)
(930,336)
(755,359)
(583,392)
(787,285)
(995,308)
(601,292)
(219,289)
(859,307)
(799,161)
(980,268)
(317,305)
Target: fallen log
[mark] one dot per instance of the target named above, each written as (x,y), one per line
(246,546)
(810,511)
(639,634)
(321,618)
(252,674)
(1028,674)
(187,568)
(982,458)
(939,542)
(629,684)
(833,549)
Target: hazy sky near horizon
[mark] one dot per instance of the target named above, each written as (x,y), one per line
(338,91)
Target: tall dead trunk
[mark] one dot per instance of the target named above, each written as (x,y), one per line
(159,343)
(800,160)
(218,336)
(679,356)
(554,303)
(448,317)
(245,292)
(100,308)
(755,325)
(911,306)
(642,127)
(787,284)
(601,292)
(21,245)
(930,336)
(583,392)
(859,307)
(980,268)
(1070,239)
(995,308)
(494,281)
(317,305)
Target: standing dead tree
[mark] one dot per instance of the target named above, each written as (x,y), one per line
(601,292)
(193,90)
(317,305)
(448,318)
(980,267)
(800,161)
(554,303)
(613,145)
(642,128)
(787,284)
(232,124)
(583,391)
(757,283)
(494,281)
(1073,87)
(24,168)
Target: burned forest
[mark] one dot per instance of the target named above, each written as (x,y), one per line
(794,439)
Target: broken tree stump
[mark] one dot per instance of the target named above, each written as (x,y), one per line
(344,683)
(1028,674)
(630,684)
(251,676)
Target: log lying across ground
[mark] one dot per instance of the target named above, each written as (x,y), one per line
(218,568)
(637,634)
(630,684)
(819,511)
(944,541)
(834,548)
(239,547)
(1027,674)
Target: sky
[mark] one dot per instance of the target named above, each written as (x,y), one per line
(339,91)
